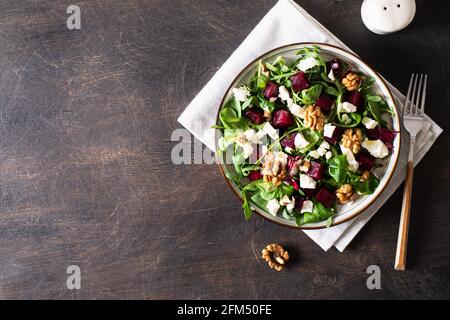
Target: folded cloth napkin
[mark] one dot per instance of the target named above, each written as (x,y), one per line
(288,23)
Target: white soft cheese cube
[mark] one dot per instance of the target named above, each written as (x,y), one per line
(376,148)
(328,130)
(369,123)
(306,182)
(307,64)
(300,142)
(307,206)
(349,107)
(273,206)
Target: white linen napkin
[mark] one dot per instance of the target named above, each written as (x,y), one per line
(288,23)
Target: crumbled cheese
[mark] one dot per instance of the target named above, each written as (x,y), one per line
(306,182)
(353,165)
(328,130)
(369,123)
(296,110)
(325,145)
(288,203)
(349,107)
(273,206)
(288,149)
(283,93)
(300,142)
(314,154)
(321,151)
(271,132)
(328,155)
(307,64)
(376,148)
(307,206)
(331,75)
(241,94)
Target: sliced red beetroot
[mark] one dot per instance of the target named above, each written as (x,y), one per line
(356,98)
(336,135)
(293,183)
(282,119)
(289,141)
(316,170)
(309,192)
(366,160)
(325,102)
(299,81)
(271,90)
(299,202)
(385,135)
(255,115)
(293,161)
(335,65)
(325,197)
(255,175)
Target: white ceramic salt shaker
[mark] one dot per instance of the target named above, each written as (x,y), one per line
(387,16)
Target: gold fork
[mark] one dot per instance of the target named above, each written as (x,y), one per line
(413,118)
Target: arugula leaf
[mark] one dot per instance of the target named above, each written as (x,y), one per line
(338,168)
(313,137)
(246,168)
(266,104)
(365,187)
(375,110)
(246,206)
(261,79)
(309,96)
(355,117)
(320,213)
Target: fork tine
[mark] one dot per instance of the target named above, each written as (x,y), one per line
(413,95)
(408,95)
(417,102)
(424,93)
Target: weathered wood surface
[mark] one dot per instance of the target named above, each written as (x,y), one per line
(86,177)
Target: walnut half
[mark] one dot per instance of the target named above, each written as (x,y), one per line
(276,256)
(344,193)
(352,139)
(314,118)
(351,81)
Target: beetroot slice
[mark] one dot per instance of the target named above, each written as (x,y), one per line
(255,175)
(325,102)
(366,161)
(335,65)
(289,141)
(271,90)
(255,115)
(309,192)
(385,135)
(325,197)
(292,161)
(356,98)
(282,119)
(293,183)
(299,202)
(336,135)
(299,81)
(316,170)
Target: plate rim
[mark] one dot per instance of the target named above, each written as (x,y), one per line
(359,211)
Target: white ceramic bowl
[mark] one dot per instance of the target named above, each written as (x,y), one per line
(348,211)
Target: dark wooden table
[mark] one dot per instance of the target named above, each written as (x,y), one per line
(86,177)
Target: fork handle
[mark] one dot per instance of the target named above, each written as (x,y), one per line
(402,242)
